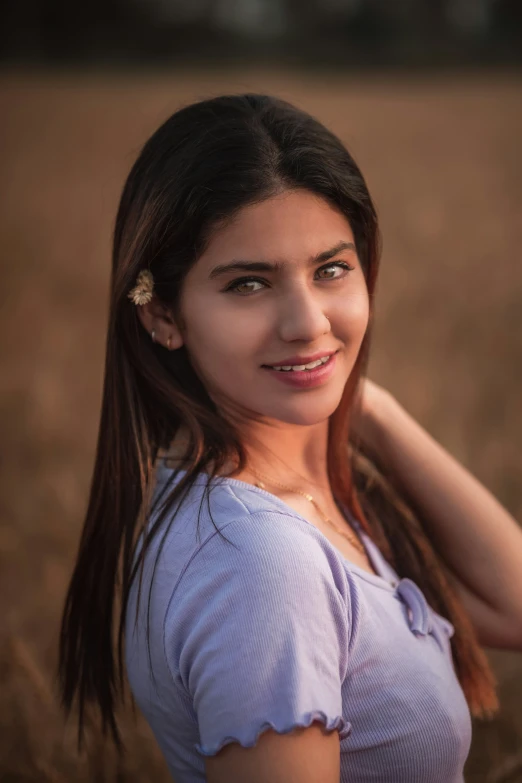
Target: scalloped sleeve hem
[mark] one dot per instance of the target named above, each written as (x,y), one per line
(248,739)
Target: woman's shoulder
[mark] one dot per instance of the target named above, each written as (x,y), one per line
(221,502)
(237,526)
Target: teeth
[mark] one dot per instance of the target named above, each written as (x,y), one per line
(301,367)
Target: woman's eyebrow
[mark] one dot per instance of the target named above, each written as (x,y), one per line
(277,266)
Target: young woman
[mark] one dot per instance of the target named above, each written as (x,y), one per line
(299,578)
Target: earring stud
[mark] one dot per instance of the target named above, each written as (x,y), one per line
(153,335)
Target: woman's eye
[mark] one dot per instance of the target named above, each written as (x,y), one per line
(340,264)
(235,284)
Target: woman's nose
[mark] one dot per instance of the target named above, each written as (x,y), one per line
(302,317)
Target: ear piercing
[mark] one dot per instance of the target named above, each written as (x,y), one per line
(169,339)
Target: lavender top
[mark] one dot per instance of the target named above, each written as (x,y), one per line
(278,629)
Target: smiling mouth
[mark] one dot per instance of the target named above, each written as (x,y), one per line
(301,367)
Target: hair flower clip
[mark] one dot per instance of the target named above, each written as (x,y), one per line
(142,292)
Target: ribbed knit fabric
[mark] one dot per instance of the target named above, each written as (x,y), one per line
(278,629)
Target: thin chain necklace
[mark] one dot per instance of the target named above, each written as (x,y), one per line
(351,538)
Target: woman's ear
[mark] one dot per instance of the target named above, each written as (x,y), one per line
(159,323)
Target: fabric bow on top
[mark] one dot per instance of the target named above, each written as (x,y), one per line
(422,619)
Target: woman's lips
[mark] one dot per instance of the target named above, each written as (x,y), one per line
(305,379)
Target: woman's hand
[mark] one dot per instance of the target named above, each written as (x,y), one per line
(372,406)
(372,396)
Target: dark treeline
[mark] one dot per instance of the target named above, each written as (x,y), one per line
(365,32)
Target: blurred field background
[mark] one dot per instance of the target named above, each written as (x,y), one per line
(442,156)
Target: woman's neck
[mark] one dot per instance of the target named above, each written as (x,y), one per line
(290,472)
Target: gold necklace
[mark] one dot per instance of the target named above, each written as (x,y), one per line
(351,538)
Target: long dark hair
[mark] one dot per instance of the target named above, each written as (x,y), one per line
(206,162)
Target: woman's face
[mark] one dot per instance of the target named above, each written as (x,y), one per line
(233,327)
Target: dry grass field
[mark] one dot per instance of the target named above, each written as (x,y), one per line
(443,159)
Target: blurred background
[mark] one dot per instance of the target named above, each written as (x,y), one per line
(426,96)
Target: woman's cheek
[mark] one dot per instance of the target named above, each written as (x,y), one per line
(355,316)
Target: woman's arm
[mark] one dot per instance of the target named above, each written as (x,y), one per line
(479,540)
(306,755)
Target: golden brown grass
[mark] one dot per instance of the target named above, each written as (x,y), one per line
(443,161)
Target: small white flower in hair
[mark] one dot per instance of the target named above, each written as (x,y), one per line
(142,292)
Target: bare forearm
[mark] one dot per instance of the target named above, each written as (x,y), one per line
(477,537)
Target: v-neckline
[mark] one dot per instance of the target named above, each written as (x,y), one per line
(371,549)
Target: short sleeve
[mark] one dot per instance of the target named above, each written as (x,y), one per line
(257,632)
